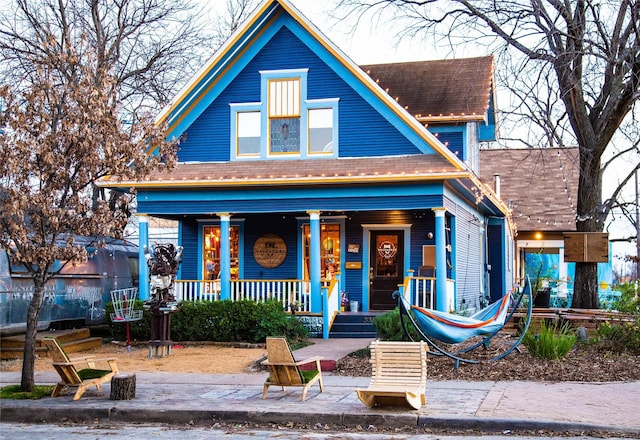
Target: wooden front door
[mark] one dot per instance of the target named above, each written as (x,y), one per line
(387,267)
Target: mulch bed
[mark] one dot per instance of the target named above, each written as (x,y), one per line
(584,363)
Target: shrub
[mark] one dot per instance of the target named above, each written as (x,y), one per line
(551,341)
(389,327)
(619,338)
(222,321)
(628,301)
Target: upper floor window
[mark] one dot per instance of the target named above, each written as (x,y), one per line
(248,133)
(284,116)
(321,133)
(284,124)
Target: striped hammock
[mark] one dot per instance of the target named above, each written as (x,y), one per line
(452,329)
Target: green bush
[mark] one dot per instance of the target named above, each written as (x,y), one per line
(389,327)
(551,341)
(619,338)
(222,321)
(628,302)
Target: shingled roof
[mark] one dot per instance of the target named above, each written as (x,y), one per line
(539,185)
(439,90)
(295,172)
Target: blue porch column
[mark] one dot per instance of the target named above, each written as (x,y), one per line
(225,256)
(143,267)
(314,261)
(441,260)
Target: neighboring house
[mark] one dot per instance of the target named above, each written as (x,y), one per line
(299,173)
(540,186)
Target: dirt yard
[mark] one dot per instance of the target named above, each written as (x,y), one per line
(194,358)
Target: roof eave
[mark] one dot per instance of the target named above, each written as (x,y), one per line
(294,181)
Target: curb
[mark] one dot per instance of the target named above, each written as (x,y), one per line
(24,414)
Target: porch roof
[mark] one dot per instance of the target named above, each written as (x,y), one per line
(300,172)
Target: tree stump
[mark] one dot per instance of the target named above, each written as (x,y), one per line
(123,387)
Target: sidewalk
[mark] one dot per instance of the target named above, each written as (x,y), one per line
(203,399)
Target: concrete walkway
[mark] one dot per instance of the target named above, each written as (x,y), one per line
(206,398)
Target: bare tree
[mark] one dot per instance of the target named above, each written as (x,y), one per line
(61,134)
(150,47)
(226,24)
(574,69)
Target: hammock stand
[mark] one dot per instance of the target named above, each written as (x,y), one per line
(452,329)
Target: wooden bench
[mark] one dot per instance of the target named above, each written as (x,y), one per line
(399,375)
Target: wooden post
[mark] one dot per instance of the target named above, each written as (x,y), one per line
(123,387)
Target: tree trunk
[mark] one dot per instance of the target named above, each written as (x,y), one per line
(123,387)
(585,288)
(27,383)
(585,295)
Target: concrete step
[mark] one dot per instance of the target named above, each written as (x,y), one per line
(353,325)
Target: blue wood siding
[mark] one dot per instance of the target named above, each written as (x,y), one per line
(454,140)
(285,227)
(289,205)
(363,131)
(468,261)
(190,256)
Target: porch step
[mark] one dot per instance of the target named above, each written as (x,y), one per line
(73,341)
(353,325)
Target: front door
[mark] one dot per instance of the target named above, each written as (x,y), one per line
(387,267)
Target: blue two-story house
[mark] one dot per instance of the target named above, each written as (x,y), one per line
(302,175)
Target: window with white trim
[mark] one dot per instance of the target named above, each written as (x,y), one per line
(284,124)
(248,133)
(321,131)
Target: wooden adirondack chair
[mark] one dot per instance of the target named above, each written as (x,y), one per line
(73,378)
(399,374)
(284,371)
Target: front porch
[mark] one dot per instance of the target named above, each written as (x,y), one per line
(295,297)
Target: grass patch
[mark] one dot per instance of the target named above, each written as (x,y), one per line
(14,392)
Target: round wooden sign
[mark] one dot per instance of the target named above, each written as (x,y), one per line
(270,250)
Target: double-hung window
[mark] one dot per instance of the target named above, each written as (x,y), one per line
(284,116)
(284,124)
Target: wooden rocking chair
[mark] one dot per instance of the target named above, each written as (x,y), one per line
(284,371)
(73,378)
(399,374)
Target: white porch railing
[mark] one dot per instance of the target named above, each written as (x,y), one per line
(197,290)
(420,291)
(286,292)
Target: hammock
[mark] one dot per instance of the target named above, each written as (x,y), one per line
(452,329)
(433,325)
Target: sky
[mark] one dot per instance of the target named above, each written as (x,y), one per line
(370,43)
